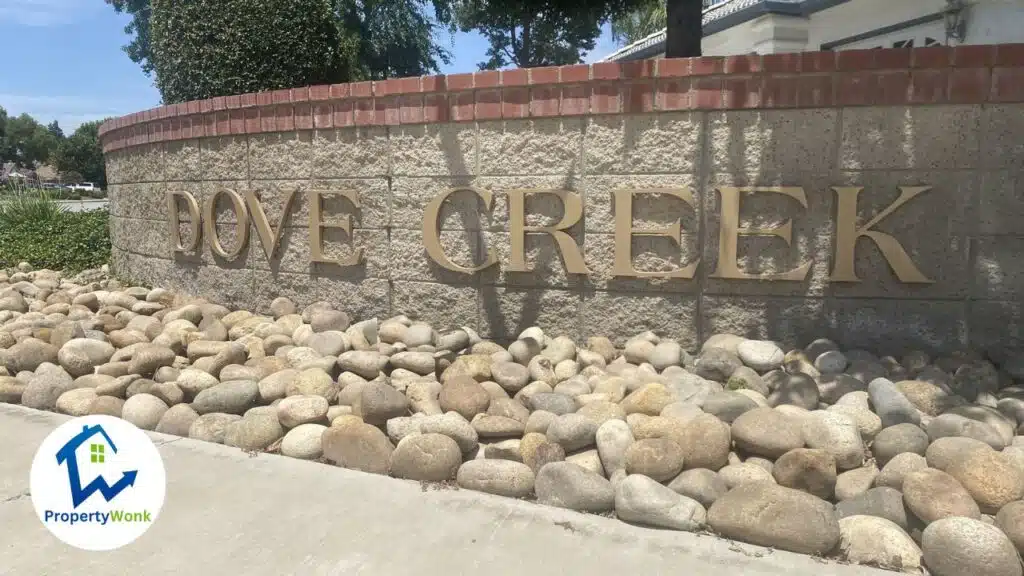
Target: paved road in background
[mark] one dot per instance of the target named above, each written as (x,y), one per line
(230,513)
(83,205)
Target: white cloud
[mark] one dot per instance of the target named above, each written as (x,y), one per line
(39,13)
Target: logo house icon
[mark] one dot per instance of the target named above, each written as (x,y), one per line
(97,455)
(97,482)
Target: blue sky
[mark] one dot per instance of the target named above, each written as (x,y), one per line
(63,60)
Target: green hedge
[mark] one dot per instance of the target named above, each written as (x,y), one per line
(207,48)
(50,238)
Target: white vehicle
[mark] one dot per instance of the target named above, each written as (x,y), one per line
(83,186)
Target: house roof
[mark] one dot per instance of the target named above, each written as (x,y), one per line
(720,15)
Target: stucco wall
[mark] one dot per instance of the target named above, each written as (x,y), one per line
(951,119)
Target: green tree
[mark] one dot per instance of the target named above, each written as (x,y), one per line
(640,23)
(55,129)
(206,48)
(528,33)
(138,29)
(24,141)
(376,39)
(394,38)
(81,153)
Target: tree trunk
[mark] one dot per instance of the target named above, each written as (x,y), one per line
(684,31)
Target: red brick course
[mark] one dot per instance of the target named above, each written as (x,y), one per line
(890,77)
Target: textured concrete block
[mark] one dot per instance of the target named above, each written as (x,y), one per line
(359,298)
(933,228)
(669,142)
(541,255)
(999,268)
(649,254)
(149,200)
(181,160)
(268,285)
(649,210)
(505,312)
(620,315)
(234,288)
(119,262)
(409,260)
(996,325)
(146,237)
(434,150)
(351,153)
(116,166)
(933,137)
(769,255)
(442,306)
(293,252)
(792,321)
(224,158)
(1003,146)
(543,146)
(897,326)
(1001,202)
(775,140)
(145,164)
(280,155)
(463,210)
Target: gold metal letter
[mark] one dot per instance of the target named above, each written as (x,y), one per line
(573,210)
(241,228)
(730,232)
(268,236)
(432,232)
(193,220)
(317,226)
(847,234)
(624,233)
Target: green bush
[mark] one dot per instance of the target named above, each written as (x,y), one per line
(207,48)
(36,230)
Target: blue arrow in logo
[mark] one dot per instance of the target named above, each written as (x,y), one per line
(79,494)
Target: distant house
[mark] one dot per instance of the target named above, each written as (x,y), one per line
(771,26)
(10,172)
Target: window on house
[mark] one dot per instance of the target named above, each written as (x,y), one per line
(903,43)
(96,453)
(929,41)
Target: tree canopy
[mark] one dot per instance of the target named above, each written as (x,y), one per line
(267,44)
(81,154)
(528,33)
(205,48)
(24,141)
(644,20)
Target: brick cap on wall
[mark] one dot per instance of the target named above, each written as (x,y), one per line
(975,74)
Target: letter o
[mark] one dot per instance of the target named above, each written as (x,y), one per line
(210,224)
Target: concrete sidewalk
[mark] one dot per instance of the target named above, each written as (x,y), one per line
(230,513)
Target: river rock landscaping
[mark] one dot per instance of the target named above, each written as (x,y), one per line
(909,462)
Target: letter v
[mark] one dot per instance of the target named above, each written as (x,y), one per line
(268,236)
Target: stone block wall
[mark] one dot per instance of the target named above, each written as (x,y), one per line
(951,119)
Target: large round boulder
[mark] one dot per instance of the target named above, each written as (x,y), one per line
(877,542)
(426,457)
(807,469)
(767,514)
(933,494)
(991,478)
(956,546)
(641,500)
(501,477)
(767,432)
(567,485)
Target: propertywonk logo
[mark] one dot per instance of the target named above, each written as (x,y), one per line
(97,482)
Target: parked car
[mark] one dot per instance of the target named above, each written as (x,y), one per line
(83,187)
